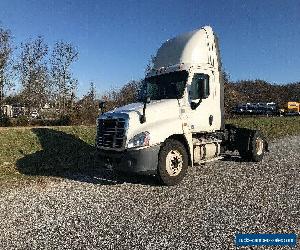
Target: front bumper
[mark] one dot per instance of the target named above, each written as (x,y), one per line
(140,161)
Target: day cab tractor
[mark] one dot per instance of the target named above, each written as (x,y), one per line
(179,121)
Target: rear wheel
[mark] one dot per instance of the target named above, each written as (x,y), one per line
(172,162)
(256,148)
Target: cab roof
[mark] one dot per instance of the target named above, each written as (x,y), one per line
(197,47)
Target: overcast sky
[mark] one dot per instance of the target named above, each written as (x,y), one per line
(115,39)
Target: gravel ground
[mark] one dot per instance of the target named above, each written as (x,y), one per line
(213,203)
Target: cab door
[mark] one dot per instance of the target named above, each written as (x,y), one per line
(202,95)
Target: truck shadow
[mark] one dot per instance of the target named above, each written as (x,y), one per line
(66,156)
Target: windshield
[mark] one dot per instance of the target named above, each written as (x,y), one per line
(166,86)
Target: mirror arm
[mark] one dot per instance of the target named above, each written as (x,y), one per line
(143,116)
(195,105)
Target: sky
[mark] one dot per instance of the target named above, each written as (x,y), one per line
(116,38)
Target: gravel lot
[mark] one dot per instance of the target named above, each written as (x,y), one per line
(213,203)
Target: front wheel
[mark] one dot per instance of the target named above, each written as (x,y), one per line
(172,162)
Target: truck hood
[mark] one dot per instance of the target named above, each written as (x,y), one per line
(162,118)
(155,110)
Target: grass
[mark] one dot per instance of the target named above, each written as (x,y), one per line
(272,127)
(30,154)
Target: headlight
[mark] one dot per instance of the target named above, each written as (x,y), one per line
(139,140)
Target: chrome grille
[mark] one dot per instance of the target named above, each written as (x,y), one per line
(111,133)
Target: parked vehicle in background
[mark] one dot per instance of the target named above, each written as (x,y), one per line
(18,110)
(291,113)
(260,108)
(34,114)
(291,109)
(179,121)
(293,106)
(7,110)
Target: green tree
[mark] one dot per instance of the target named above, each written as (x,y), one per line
(34,73)
(63,56)
(5,61)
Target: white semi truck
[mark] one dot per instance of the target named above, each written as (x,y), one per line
(179,121)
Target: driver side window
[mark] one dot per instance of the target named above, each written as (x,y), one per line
(199,86)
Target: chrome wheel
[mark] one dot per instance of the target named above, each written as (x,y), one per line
(174,162)
(259,146)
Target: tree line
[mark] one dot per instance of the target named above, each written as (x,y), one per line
(235,92)
(243,91)
(44,76)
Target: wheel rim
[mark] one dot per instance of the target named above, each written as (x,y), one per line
(174,163)
(259,146)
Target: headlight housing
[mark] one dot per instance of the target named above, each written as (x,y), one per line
(139,140)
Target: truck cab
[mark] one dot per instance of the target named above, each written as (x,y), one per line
(179,120)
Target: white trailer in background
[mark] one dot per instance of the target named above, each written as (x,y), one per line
(7,110)
(179,120)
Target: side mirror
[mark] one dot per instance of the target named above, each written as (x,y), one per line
(148,99)
(199,89)
(204,89)
(102,106)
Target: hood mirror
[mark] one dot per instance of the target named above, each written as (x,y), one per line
(102,106)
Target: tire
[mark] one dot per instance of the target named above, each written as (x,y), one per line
(172,163)
(256,148)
